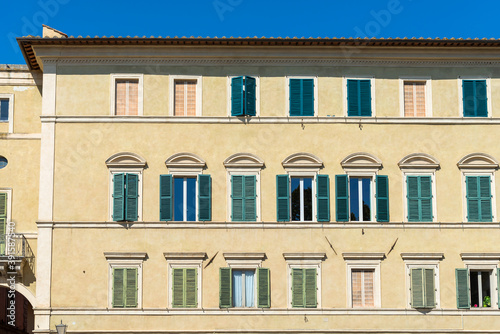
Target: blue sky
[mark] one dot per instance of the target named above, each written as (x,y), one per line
(310,18)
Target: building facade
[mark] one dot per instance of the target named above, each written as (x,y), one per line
(204,185)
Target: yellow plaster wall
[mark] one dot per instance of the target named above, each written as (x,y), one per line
(27,108)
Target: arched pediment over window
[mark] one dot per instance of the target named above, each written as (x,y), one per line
(243,160)
(419,161)
(125,160)
(302,160)
(361,160)
(478,161)
(185,159)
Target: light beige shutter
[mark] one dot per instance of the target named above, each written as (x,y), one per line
(185,98)
(127,97)
(414,98)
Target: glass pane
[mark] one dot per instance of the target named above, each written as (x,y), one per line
(485,284)
(354,198)
(237,288)
(474,289)
(178,199)
(191,199)
(295,191)
(366,199)
(4,110)
(249,288)
(307,199)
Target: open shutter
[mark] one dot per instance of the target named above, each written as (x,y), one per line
(323,197)
(204,197)
(237,199)
(118,197)
(417,288)
(498,286)
(282,198)
(462,281)
(425,198)
(3,216)
(307,97)
(225,288)
(132,190)
(191,287)
(342,198)
(165,197)
(310,288)
(298,288)
(365,98)
(295,97)
(250,97)
(481,98)
(382,196)
(131,287)
(430,293)
(237,97)
(485,200)
(118,285)
(353,98)
(412,186)
(468,88)
(263,288)
(177,287)
(250,205)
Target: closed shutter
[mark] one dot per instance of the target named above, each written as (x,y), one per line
(282,198)
(425,198)
(250,202)
(118,197)
(475,98)
(3,219)
(298,288)
(323,198)
(225,288)
(177,287)
(468,98)
(127,97)
(295,97)
(342,198)
(498,286)
(417,288)
(237,199)
(310,289)
(250,97)
(430,291)
(359,98)
(237,97)
(481,99)
(414,99)
(191,287)
(166,197)
(131,287)
(185,98)
(204,197)
(132,191)
(419,197)
(263,288)
(307,97)
(382,197)
(365,98)
(479,198)
(118,287)
(462,281)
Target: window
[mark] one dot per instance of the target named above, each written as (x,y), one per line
(362,288)
(124,287)
(243,92)
(4,110)
(415,97)
(127,94)
(185,96)
(363,279)
(301,198)
(7,110)
(422,271)
(475,94)
(304,271)
(302,96)
(5,207)
(359,97)
(3,162)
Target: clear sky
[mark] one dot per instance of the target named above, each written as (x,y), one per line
(300,18)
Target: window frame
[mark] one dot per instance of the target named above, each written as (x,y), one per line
(466,173)
(8,215)
(243,172)
(257,94)
(488,94)
(364,261)
(424,261)
(304,174)
(432,174)
(372,92)
(372,174)
(185,261)
(287,94)
(481,262)
(199,97)
(125,170)
(428,94)
(10,120)
(140,92)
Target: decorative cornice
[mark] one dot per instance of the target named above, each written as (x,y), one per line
(244,256)
(361,160)
(243,160)
(478,161)
(185,160)
(185,256)
(304,256)
(125,255)
(363,256)
(422,256)
(125,160)
(480,256)
(302,160)
(419,161)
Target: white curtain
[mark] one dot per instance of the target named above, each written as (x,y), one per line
(249,288)
(237,291)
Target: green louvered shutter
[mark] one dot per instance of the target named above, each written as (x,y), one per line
(498,286)
(417,288)
(365,98)
(295,97)
(118,197)
(425,184)
(298,287)
(382,196)
(472,195)
(204,197)
(132,191)
(250,205)
(166,197)
(310,289)
(225,288)
(430,291)
(237,97)
(468,88)
(412,184)
(250,97)
(191,287)
(282,198)
(131,287)
(462,281)
(353,98)
(323,197)
(481,99)
(3,221)
(177,287)
(237,199)
(307,97)
(118,287)
(263,288)
(342,198)
(475,98)
(485,199)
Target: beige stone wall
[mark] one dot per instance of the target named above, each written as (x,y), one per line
(27,108)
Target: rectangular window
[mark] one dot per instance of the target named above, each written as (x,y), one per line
(244,197)
(475,98)
(362,288)
(184,287)
(477,288)
(480,288)
(127,97)
(3,221)
(184,199)
(243,288)
(359,97)
(301,97)
(243,96)
(414,98)
(304,291)
(422,288)
(125,196)
(185,97)
(124,287)
(302,199)
(4,110)
(419,197)
(360,198)
(479,206)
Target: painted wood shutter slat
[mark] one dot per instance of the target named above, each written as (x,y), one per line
(282,198)
(204,197)
(237,97)
(118,284)
(225,288)
(365,98)
(498,286)
(310,289)
(191,287)
(472,186)
(462,281)
(382,196)
(250,201)
(250,96)
(3,241)
(132,191)
(468,88)
(429,288)
(3,205)
(307,97)
(323,197)
(237,197)
(177,287)
(352,98)
(479,207)
(412,184)
(342,198)
(417,288)
(485,199)
(425,198)
(118,197)
(263,288)
(131,287)
(481,98)
(166,197)
(295,97)
(298,288)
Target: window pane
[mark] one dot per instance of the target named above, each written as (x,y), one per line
(354,198)
(474,289)
(249,288)
(485,284)
(4,110)
(357,298)
(178,199)
(295,191)
(366,199)
(307,199)
(237,288)
(185,98)
(191,199)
